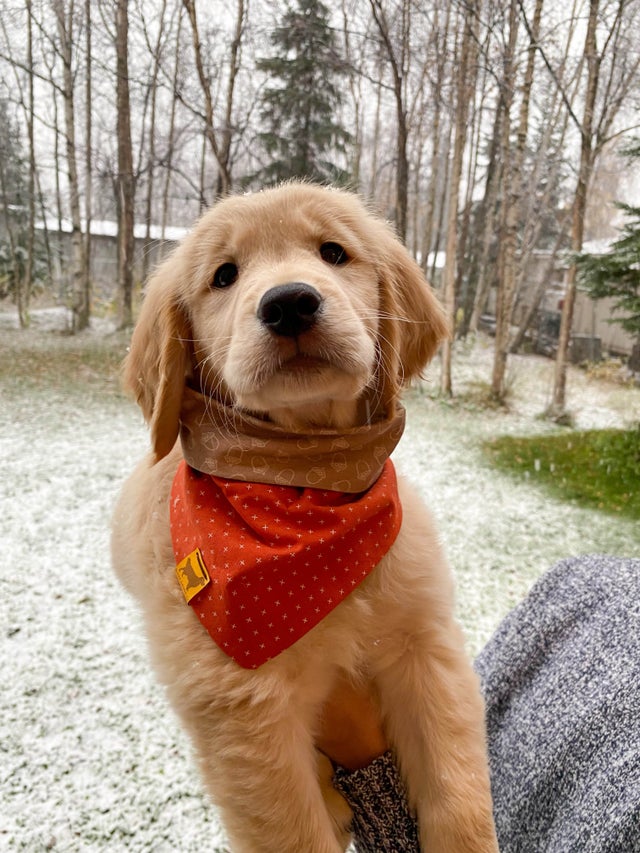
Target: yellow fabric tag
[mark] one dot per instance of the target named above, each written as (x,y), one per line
(192,574)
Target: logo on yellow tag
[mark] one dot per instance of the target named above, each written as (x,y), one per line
(192,574)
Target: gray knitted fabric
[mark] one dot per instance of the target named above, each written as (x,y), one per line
(561,678)
(382,822)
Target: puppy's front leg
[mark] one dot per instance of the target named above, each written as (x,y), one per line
(263,775)
(434,717)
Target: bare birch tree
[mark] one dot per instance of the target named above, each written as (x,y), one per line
(220,134)
(354,56)
(594,130)
(395,57)
(80,295)
(88,132)
(544,175)
(442,61)
(464,86)
(512,163)
(25,299)
(155,51)
(170,142)
(557,408)
(125,180)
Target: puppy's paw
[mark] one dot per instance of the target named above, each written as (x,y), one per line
(337,806)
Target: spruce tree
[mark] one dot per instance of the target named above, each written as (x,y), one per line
(13,206)
(300,106)
(616,274)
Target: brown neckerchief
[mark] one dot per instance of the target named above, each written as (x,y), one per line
(226,442)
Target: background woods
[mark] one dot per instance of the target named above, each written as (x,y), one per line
(486,131)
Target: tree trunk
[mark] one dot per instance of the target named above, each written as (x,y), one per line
(80,304)
(441,63)
(234,67)
(24,302)
(487,220)
(171,139)
(460,136)
(558,404)
(55,263)
(88,194)
(539,292)
(427,236)
(221,148)
(441,200)
(148,212)
(355,88)
(125,183)
(402,165)
(511,194)
(202,201)
(375,144)
(534,204)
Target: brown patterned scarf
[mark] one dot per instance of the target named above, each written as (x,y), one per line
(222,441)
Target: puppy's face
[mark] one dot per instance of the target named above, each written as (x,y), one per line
(286,309)
(295,302)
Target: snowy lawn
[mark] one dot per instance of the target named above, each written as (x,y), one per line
(91,758)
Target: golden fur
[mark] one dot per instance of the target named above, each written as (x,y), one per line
(253,730)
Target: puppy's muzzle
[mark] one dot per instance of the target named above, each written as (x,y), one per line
(290,309)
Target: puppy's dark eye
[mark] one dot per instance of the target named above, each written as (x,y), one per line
(225,275)
(333,253)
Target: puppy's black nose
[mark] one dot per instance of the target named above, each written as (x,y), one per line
(289,309)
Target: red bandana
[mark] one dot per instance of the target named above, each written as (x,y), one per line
(261,565)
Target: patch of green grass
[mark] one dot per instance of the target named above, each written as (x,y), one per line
(596,468)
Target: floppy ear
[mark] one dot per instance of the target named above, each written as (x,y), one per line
(159,359)
(413,323)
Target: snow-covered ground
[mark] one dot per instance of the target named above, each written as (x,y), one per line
(91,758)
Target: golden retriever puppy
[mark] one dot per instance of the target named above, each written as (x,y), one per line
(268,360)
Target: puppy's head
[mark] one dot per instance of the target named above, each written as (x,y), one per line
(295,302)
